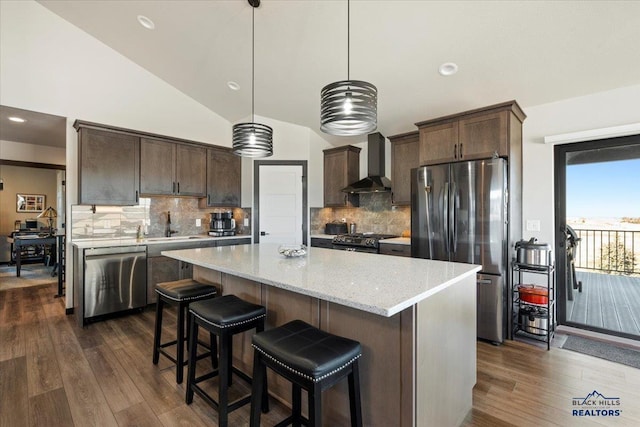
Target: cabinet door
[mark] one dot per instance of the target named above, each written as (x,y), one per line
(157,167)
(483,136)
(191,167)
(223,178)
(341,168)
(108,168)
(321,243)
(439,143)
(160,269)
(404,157)
(393,249)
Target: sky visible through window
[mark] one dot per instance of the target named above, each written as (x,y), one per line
(604,190)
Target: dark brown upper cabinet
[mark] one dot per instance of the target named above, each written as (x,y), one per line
(108,166)
(172,169)
(341,168)
(404,157)
(476,134)
(223,178)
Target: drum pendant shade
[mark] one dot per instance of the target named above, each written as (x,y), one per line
(252,139)
(348,107)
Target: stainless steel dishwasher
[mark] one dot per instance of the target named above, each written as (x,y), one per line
(115,279)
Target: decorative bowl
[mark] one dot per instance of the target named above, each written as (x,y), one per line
(292,251)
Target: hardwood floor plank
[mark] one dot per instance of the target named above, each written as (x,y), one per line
(139,415)
(183,416)
(50,409)
(86,401)
(115,383)
(12,339)
(43,374)
(14,396)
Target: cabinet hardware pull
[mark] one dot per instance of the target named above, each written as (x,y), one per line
(178,188)
(173,188)
(392,197)
(460,149)
(137,200)
(208,199)
(455,151)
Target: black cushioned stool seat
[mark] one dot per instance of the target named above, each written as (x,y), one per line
(224,316)
(311,359)
(180,293)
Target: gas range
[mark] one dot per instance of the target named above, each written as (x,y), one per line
(359,242)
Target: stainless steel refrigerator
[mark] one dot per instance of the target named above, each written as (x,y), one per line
(459,212)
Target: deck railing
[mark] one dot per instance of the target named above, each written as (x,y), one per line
(616,251)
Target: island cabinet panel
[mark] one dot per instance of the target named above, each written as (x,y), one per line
(445,393)
(341,168)
(169,168)
(108,167)
(386,368)
(404,157)
(223,178)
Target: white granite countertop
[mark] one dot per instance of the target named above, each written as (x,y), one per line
(103,243)
(397,241)
(368,282)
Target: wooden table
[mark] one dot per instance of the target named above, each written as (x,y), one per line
(20,241)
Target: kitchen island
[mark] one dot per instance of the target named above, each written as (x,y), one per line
(415,319)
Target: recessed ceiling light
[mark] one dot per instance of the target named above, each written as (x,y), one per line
(448,69)
(17,119)
(233,85)
(146,22)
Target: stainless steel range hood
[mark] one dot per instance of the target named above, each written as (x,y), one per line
(375,180)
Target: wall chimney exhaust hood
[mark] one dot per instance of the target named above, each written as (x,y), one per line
(375,181)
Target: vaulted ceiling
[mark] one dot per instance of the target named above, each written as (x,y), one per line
(535,52)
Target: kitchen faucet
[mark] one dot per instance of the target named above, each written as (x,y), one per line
(167,230)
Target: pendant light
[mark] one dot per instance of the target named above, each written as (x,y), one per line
(348,107)
(252,139)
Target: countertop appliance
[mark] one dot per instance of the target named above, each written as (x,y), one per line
(459,212)
(222,224)
(335,228)
(359,242)
(115,279)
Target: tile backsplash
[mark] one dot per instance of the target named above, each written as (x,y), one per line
(375,214)
(151,214)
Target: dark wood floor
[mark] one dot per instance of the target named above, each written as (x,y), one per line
(53,373)
(607,301)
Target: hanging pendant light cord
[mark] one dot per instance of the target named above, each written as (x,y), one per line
(253,63)
(348,37)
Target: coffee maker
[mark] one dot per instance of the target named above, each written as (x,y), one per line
(222,224)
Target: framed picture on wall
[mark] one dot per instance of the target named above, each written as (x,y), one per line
(30,202)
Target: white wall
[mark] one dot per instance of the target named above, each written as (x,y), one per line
(31,153)
(595,111)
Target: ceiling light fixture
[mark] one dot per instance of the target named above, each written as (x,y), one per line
(348,107)
(252,139)
(17,119)
(146,22)
(233,85)
(448,69)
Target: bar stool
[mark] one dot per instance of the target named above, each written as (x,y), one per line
(224,316)
(311,359)
(180,293)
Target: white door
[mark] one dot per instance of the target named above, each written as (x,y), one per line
(281,204)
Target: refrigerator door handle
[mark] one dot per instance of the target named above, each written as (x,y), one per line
(453,217)
(445,218)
